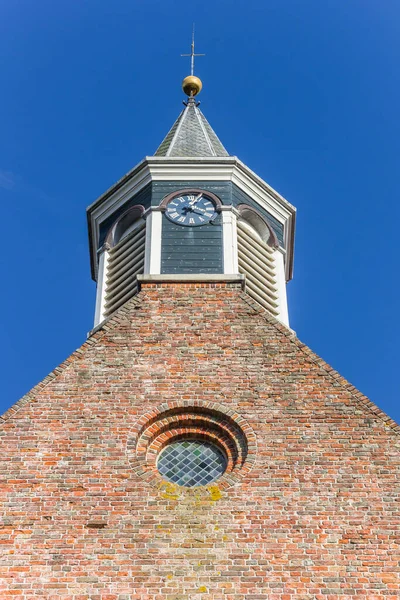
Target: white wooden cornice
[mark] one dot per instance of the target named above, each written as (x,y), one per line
(160,168)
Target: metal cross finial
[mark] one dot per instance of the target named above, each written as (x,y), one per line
(192,54)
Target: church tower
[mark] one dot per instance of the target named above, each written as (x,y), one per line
(192,213)
(193,447)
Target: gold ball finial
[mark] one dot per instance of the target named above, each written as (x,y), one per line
(192,85)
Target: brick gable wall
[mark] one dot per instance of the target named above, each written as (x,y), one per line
(312,513)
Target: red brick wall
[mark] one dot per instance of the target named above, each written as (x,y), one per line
(313,512)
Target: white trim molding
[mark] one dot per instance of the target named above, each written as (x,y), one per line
(192,278)
(229,240)
(161,168)
(101,284)
(152,258)
(238,254)
(283,315)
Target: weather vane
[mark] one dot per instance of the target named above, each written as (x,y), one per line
(192,54)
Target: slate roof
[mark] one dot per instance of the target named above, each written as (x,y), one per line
(191,135)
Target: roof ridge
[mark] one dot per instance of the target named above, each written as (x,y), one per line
(177,130)
(94,337)
(191,136)
(199,115)
(360,398)
(119,317)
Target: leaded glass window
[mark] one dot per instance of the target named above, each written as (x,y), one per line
(191,463)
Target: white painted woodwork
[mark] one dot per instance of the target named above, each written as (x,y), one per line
(279,258)
(229,240)
(139,252)
(256,261)
(101,285)
(125,262)
(267,270)
(162,168)
(152,263)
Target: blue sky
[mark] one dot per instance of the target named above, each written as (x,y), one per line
(305,93)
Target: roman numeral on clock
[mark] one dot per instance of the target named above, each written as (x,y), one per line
(191,208)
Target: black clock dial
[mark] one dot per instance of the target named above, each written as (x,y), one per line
(191,209)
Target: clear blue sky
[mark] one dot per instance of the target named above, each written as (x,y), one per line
(307,93)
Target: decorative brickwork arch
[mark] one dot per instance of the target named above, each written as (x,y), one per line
(206,421)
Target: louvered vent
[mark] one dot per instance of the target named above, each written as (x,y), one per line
(126,261)
(256,261)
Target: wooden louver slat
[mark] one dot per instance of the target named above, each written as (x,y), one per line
(253,256)
(118,262)
(256,261)
(127,241)
(116,274)
(258,248)
(126,261)
(114,287)
(257,271)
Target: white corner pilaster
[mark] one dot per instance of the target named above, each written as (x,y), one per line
(281,285)
(103,255)
(152,255)
(229,240)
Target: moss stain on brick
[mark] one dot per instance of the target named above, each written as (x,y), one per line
(170,491)
(215,492)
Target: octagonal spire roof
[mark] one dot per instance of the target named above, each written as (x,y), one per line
(191,135)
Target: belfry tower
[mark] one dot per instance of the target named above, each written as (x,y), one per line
(193,447)
(191,213)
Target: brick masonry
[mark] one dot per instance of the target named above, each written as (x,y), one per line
(313,515)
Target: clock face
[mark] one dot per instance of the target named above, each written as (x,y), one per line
(191,209)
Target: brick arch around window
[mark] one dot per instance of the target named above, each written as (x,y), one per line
(207,421)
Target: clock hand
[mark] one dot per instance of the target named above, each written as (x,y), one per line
(197,211)
(195,199)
